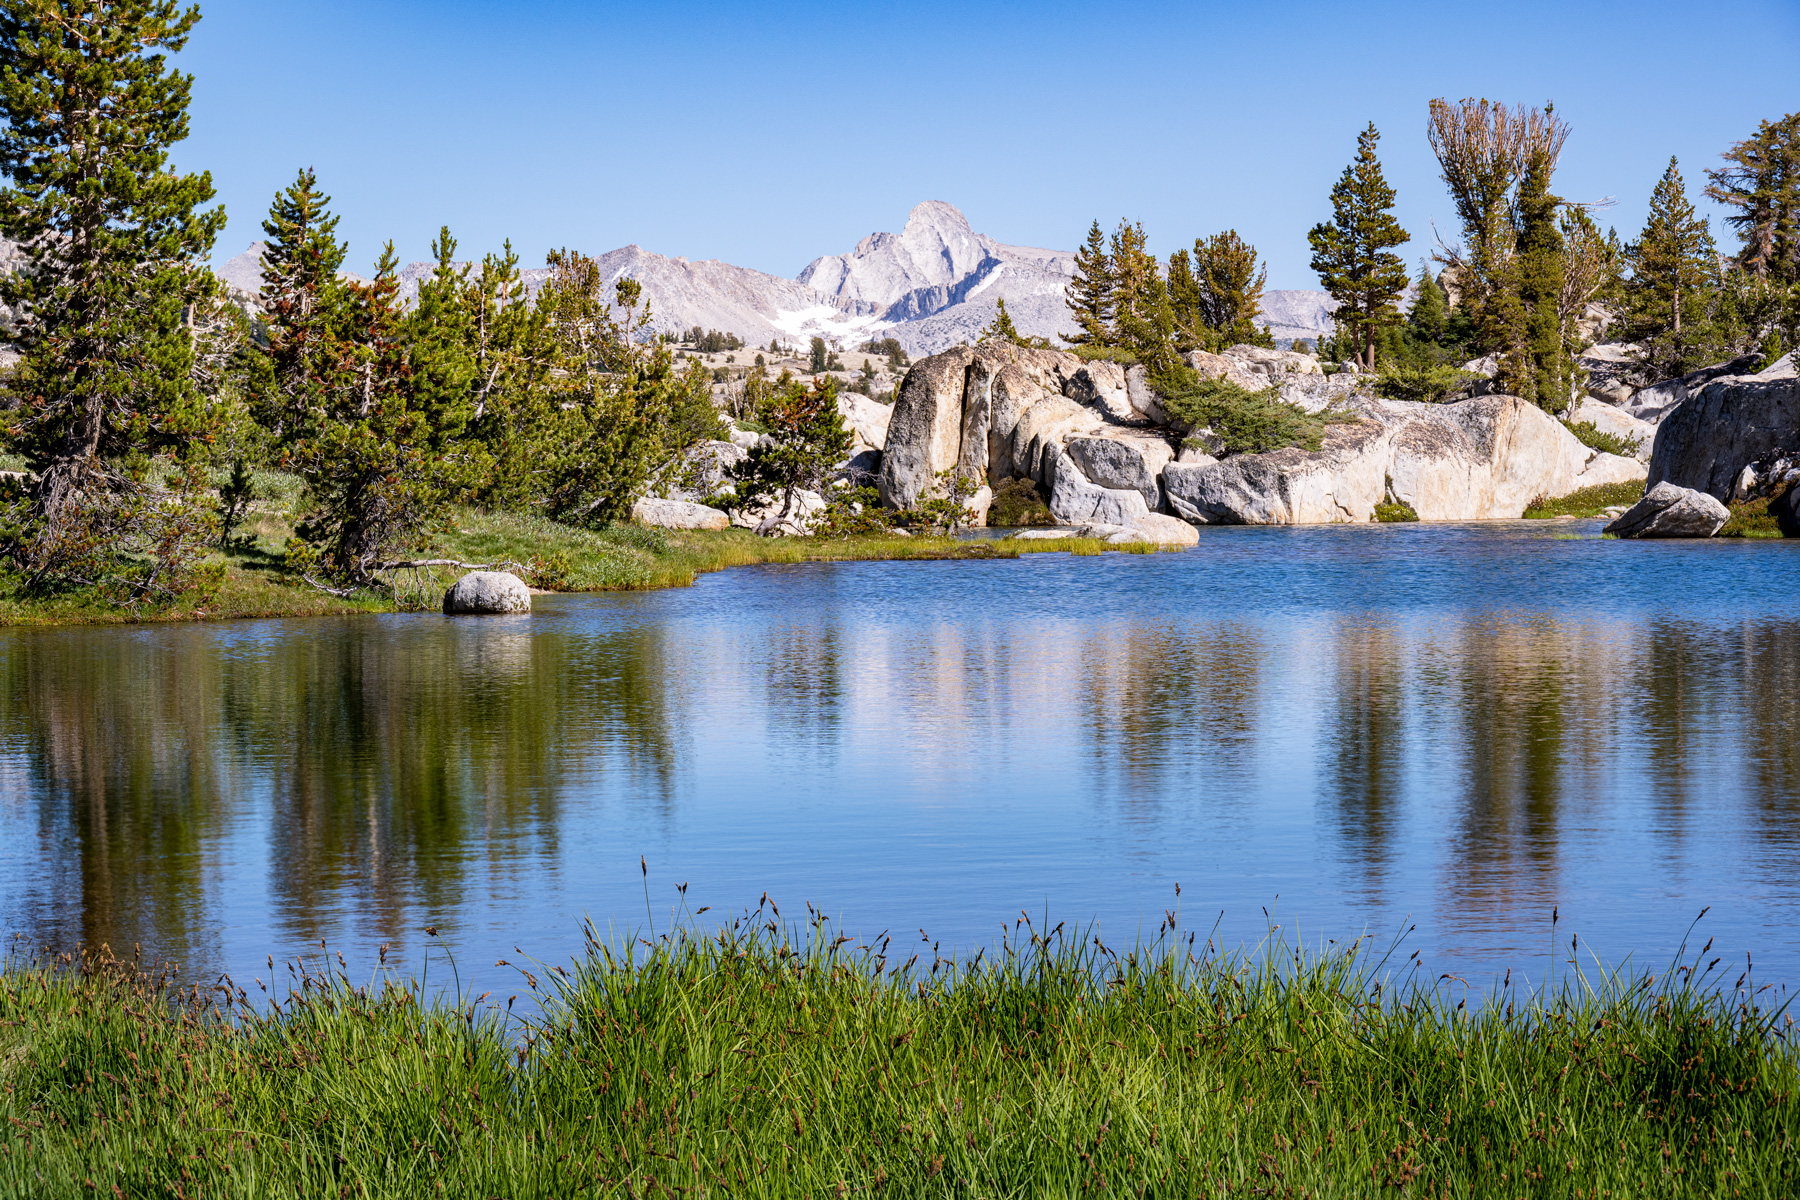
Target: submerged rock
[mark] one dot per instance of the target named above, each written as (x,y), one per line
(1667,511)
(487,592)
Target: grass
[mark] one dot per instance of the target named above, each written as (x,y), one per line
(553,556)
(1765,517)
(771,1059)
(1588,502)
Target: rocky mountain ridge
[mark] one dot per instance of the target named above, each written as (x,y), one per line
(931,286)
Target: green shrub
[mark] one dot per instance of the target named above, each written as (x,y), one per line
(1429,383)
(1394,511)
(1591,436)
(1245,422)
(1019,503)
(1588,502)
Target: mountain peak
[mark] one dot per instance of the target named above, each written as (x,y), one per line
(938,216)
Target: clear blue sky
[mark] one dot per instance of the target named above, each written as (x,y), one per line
(769,134)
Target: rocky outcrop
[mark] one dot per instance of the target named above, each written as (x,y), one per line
(1608,419)
(866,420)
(678,514)
(487,593)
(1096,442)
(1604,469)
(1730,422)
(1657,401)
(1667,511)
(1477,459)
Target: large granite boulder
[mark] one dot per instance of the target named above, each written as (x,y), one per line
(1077,500)
(953,407)
(867,421)
(487,593)
(1667,511)
(1729,423)
(1478,459)
(1123,460)
(924,434)
(678,514)
(1657,401)
(1604,469)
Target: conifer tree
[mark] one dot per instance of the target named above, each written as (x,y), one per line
(1351,252)
(807,439)
(1538,363)
(113,241)
(1762,186)
(1218,293)
(1137,285)
(1090,293)
(1430,310)
(820,362)
(301,302)
(1671,268)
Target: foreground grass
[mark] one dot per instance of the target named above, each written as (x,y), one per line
(765,1060)
(1588,502)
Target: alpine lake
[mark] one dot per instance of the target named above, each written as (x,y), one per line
(1494,748)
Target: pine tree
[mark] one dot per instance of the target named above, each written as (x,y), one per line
(807,439)
(820,363)
(1430,310)
(1671,268)
(1223,293)
(113,241)
(1090,293)
(1762,185)
(301,302)
(1136,284)
(1351,254)
(1538,363)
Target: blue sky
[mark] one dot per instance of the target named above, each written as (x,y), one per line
(767,135)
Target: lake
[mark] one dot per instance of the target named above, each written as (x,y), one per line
(1452,729)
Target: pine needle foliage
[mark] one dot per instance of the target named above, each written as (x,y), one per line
(113,294)
(1672,269)
(1761,187)
(1352,252)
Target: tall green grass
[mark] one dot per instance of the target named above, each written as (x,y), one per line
(767,1058)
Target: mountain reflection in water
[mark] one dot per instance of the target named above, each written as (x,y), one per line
(1453,727)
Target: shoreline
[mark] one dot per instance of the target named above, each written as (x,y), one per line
(646,560)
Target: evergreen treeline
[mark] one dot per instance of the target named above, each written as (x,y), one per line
(1124,300)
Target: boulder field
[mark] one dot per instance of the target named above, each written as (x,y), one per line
(1097,441)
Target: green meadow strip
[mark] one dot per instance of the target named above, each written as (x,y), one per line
(766,1058)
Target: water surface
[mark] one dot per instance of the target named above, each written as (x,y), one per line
(1357,729)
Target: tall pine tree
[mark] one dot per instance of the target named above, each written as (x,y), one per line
(1090,293)
(301,302)
(1351,252)
(113,241)
(1762,187)
(1538,363)
(1672,267)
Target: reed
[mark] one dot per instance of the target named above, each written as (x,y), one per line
(772,1058)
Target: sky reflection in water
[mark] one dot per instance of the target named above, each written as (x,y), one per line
(1361,729)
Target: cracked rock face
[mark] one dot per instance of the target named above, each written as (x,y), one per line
(1729,423)
(1667,511)
(487,593)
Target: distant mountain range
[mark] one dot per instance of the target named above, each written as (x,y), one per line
(930,286)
